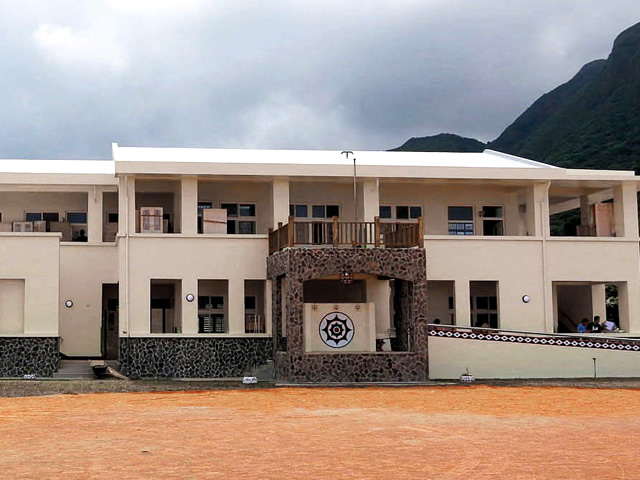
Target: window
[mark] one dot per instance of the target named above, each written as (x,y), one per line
(317,211)
(241,218)
(51,216)
(461,221)
(73,217)
(400,212)
(492,221)
(112,218)
(250,304)
(211,316)
(32,217)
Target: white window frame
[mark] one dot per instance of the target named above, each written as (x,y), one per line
(394,207)
(239,218)
(463,222)
(481,214)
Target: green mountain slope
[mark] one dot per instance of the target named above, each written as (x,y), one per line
(592,121)
(444,142)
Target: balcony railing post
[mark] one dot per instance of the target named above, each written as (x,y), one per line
(420,232)
(335,232)
(291,240)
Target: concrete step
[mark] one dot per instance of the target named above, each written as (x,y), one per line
(74,369)
(71,376)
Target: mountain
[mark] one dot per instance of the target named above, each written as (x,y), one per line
(444,142)
(592,121)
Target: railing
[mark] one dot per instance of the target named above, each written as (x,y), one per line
(335,233)
(254,323)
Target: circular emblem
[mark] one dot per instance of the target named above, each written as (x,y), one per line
(336,330)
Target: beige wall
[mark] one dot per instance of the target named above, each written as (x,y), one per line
(240,192)
(379,295)
(450,357)
(83,270)
(324,193)
(438,293)
(515,264)
(35,259)
(364,337)
(14,205)
(435,200)
(11,307)
(235,258)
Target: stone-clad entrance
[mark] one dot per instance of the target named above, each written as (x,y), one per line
(408,362)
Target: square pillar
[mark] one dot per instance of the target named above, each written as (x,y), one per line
(189,206)
(94,215)
(189,309)
(462,303)
(236,305)
(370,202)
(129,202)
(268,307)
(625,207)
(598,301)
(536,199)
(280,201)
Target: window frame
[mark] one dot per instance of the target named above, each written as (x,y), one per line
(394,212)
(498,219)
(464,230)
(238,218)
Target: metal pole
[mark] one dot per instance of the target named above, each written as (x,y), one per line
(355,194)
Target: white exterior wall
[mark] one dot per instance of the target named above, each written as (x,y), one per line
(83,270)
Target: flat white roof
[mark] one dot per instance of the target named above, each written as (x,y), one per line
(486,159)
(86,167)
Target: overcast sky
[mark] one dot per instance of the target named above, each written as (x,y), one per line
(78,75)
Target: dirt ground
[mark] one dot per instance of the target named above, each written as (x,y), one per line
(337,433)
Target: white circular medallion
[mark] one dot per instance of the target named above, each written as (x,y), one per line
(336,330)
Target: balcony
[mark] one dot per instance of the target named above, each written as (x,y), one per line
(336,233)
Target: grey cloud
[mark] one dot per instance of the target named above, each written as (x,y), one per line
(75,76)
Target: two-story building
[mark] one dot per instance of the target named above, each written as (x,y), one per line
(207,262)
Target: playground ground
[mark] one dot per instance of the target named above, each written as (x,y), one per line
(450,432)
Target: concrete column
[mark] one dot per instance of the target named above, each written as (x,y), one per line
(131,202)
(585,214)
(122,206)
(94,215)
(189,205)
(554,305)
(462,303)
(189,309)
(598,301)
(280,201)
(370,203)
(625,208)
(534,201)
(236,305)
(268,307)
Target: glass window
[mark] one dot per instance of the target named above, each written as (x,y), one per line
(51,216)
(231,227)
(300,211)
(402,213)
(112,218)
(33,217)
(492,212)
(385,211)
(247,228)
(333,211)
(76,217)
(415,212)
(317,211)
(460,213)
(247,210)
(204,206)
(231,208)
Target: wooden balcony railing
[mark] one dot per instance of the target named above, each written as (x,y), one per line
(334,233)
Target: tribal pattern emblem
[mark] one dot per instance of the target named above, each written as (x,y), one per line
(336,330)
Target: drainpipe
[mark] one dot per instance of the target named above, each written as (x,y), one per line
(126,271)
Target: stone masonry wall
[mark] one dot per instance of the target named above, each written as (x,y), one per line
(21,356)
(192,357)
(302,264)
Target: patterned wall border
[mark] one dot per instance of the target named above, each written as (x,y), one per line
(582,342)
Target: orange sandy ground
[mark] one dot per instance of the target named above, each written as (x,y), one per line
(336,433)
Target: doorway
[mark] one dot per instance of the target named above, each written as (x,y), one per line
(109,332)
